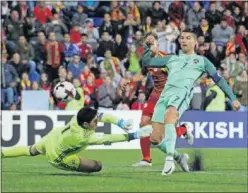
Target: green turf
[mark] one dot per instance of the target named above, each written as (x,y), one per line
(225,170)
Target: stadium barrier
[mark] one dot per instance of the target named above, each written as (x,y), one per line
(211,130)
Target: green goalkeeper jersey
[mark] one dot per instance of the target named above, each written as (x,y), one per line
(184,70)
(72,138)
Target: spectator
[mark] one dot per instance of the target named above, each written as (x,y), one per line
(70,49)
(107,26)
(157,13)
(89,90)
(14,27)
(44,83)
(240,89)
(25,83)
(106,94)
(139,43)
(31,27)
(85,49)
(35,86)
(133,61)
(92,7)
(76,66)
(91,61)
(120,48)
(54,56)
(171,34)
(80,17)
(123,105)
(240,41)
(26,53)
(229,18)
(221,34)
(203,4)
(176,12)
(23,10)
(91,31)
(214,52)
(233,66)
(160,31)
(69,76)
(75,34)
(100,79)
(204,30)
(194,16)
(84,75)
(56,26)
(42,13)
(147,27)
(9,81)
(230,46)
(243,60)
(203,52)
(110,64)
(215,98)
(117,13)
(40,51)
(133,9)
(143,8)
(4,10)
(105,44)
(140,102)
(213,16)
(19,67)
(237,16)
(80,91)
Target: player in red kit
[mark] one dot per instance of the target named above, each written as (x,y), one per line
(159,76)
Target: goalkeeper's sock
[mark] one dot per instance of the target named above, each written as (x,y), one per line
(145,148)
(170,138)
(16,152)
(181,130)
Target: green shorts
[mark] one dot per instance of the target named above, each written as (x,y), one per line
(45,147)
(179,100)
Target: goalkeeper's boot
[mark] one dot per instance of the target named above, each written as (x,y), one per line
(183,162)
(169,166)
(142,163)
(188,135)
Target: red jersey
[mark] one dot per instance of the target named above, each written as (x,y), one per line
(159,76)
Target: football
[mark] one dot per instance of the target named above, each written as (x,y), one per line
(64,91)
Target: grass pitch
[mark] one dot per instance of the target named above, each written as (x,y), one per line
(225,170)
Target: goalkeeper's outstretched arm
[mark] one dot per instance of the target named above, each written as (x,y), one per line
(99,139)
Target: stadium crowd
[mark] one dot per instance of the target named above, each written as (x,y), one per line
(98,45)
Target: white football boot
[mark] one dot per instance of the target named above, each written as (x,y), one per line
(142,163)
(169,166)
(188,135)
(183,162)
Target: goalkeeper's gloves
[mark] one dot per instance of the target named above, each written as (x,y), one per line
(141,133)
(126,125)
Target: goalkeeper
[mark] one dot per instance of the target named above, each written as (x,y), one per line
(61,145)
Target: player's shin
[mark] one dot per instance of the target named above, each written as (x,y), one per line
(16,152)
(170,138)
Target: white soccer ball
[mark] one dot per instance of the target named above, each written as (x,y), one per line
(64,91)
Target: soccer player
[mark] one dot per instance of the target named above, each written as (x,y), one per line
(183,71)
(159,76)
(61,145)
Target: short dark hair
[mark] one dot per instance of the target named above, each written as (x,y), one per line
(156,2)
(84,34)
(151,34)
(187,30)
(86,114)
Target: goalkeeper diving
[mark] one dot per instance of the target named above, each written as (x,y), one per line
(61,145)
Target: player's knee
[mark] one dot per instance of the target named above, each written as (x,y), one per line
(33,151)
(155,139)
(97,167)
(171,115)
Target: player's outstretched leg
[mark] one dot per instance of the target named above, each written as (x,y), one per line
(19,151)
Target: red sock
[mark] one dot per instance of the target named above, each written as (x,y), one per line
(180,131)
(145,148)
